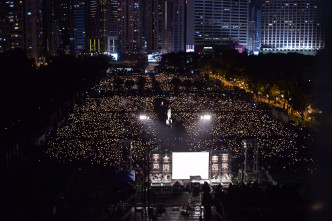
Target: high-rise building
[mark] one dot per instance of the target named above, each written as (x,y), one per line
(21,26)
(102,26)
(63,26)
(204,22)
(234,26)
(291,26)
(179,25)
(130,26)
(33,29)
(79,26)
(167,26)
(112,26)
(154,16)
(94,26)
(215,23)
(49,28)
(254,26)
(11,25)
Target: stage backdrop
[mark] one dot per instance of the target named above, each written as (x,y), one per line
(186,164)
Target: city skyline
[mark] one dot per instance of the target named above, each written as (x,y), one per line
(47,28)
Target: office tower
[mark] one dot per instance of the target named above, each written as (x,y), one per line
(102,26)
(179,24)
(254,26)
(204,22)
(33,29)
(234,26)
(112,23)
(98,19)
(21,27)
(167,26)
(63,27)
(79,26)
(94,26)
(130,26)
(49,29)
(165,23)
(291,26)
(212,24)
(154,25)
(11,25)
(258,16)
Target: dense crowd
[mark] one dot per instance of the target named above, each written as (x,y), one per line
(96,128)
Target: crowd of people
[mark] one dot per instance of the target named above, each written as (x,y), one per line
(110,114)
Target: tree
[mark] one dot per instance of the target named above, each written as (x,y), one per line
(300,100)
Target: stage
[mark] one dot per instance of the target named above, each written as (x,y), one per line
(184,168)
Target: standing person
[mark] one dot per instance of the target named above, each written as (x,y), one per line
(207,200)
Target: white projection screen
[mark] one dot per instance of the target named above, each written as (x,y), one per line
(186,164)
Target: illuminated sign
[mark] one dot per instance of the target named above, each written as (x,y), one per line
(115,56)
(154,58)
(190,48)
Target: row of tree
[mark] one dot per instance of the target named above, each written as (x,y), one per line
(286,76)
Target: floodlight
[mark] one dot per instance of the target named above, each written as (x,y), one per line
(206,117)
(143,117)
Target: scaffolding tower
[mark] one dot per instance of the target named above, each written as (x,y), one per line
(249,171)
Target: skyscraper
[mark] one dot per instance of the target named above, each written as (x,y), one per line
(21,27)
(215,23)
(11,25)
(130,26)
(291,26)
(254,26)
(167,26)
(112,26)
(154,27)
(94,26)
(179,24)
(204,22)
(234,25)
(79,26)
(33,29)
(63,26)
(102,26)
(49,28)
